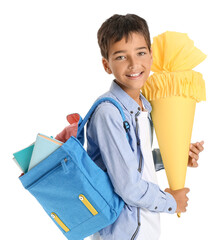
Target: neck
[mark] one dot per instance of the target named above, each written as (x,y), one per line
(136,98)
(133,93)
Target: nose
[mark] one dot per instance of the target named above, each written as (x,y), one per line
(132,63)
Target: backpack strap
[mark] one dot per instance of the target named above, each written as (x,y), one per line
(94,106)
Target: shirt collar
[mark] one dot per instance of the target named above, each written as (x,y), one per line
(129,103)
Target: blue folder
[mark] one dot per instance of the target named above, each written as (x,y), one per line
(43,147)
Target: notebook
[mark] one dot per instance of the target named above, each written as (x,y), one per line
(23,157)
(43,147)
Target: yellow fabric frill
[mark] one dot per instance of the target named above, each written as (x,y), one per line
(188,84)
(174,56)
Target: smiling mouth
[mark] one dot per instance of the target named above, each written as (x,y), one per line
(134,75)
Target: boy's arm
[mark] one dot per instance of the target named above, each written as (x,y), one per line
(158,162)
(106,130)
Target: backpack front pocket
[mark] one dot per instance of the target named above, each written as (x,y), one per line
(67,196)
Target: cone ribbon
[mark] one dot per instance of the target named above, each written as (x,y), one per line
(173,90)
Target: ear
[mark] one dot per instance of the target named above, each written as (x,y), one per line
(106,65)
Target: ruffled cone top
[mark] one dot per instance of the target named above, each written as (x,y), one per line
(174,56)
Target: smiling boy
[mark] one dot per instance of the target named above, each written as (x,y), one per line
(125,46)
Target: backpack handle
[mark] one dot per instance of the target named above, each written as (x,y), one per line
(94,106)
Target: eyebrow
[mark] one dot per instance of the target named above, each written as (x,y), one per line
(124,51)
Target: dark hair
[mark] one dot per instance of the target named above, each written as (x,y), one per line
(119,26)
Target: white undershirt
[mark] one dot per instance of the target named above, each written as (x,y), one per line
(150,222)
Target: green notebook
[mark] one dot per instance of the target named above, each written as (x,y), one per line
(23,157)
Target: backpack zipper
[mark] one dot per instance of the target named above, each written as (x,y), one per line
(59,222)
(88,204)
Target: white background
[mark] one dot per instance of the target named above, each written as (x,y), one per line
(50,66)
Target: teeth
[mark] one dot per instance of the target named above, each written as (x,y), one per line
(134,75)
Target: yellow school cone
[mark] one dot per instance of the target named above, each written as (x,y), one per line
(173,91)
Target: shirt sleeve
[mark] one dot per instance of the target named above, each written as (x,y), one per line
(107,131)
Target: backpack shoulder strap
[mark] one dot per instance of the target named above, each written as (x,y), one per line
(94,106)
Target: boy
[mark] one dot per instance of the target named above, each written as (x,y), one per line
(126,50)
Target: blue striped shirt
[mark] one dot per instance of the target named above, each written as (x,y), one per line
(111,150)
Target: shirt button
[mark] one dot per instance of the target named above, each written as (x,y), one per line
(139,108)
(155,208)
(170,209)
(131,112)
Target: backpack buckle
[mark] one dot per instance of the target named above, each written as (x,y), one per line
(126,126)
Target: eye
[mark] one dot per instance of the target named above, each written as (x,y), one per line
(141,53)
(120,58)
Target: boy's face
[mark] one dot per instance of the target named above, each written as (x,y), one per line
(130,62)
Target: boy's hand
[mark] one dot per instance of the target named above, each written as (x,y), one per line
(195,149)
(180,197)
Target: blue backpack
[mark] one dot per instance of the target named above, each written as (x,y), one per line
(75,193)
